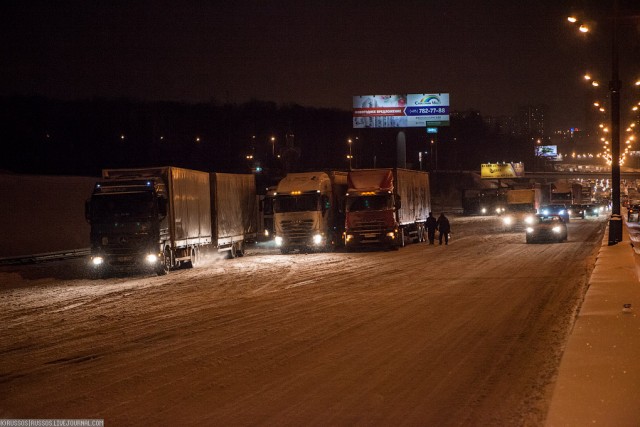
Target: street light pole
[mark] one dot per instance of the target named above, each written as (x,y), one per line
(615,222)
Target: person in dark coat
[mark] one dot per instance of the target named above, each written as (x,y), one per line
(444,228)
(431,224)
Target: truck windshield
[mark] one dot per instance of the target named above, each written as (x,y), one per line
(302,203)
(122,207)
(369,203)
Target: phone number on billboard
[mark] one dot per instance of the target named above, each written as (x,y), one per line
(421,111)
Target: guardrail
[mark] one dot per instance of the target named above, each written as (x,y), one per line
(44,257)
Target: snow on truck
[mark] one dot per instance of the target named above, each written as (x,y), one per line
(521,203)
(309,211)
(386,207)
(160,218)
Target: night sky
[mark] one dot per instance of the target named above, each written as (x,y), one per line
(489,55)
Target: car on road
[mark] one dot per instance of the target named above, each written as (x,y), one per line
(543,227)
(556,209)
(577,211)
(633,213)
(592,210)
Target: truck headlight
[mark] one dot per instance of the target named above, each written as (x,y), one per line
(529,220)
(349,237)
(97,260)
(556,229)
(529,229)
(483,210)
(266,233)
(391,234)
(151,258)
(507,220)
(317,239)
(278,240)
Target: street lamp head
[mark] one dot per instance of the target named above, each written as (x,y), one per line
(583,28)
(572,19)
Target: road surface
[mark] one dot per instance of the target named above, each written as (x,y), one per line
(465,334)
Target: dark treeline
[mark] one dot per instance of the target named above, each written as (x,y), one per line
(46,136)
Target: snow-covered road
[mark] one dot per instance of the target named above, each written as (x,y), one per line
(467,334)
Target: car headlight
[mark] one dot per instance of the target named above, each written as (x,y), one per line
(557,229)
(317,239)
(151,258)
(529,229)
(278,241)
(483,210)
(562,212)
(545,211)
(97,260)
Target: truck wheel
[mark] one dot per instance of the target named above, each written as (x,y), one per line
(240,249)
(231,254)
(165,263)
(194,258)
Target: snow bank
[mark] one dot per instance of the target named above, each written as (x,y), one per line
(43,213)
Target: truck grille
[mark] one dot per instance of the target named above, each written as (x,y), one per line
(125,249)
(369,227)
(297,230)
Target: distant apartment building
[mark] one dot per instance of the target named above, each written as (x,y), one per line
(533,121)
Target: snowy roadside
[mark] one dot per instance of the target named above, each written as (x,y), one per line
(599,378)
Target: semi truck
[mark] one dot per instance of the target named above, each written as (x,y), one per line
(309,211)
(561,193)
(157,219)
(483,201)
(521,203)
(386,207)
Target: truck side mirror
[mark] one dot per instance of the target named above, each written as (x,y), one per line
(326,204)
(398,203)
(162,207)
(87,210)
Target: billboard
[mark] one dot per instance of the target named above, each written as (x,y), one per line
(399,111)
(501,170)
(547,151)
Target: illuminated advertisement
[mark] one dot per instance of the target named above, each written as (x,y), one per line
(501,170)
(400,111)
(547,151)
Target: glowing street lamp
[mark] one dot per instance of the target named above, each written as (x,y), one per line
(615,222)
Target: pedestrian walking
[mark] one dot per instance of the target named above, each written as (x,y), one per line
(431,224)
(444,228)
